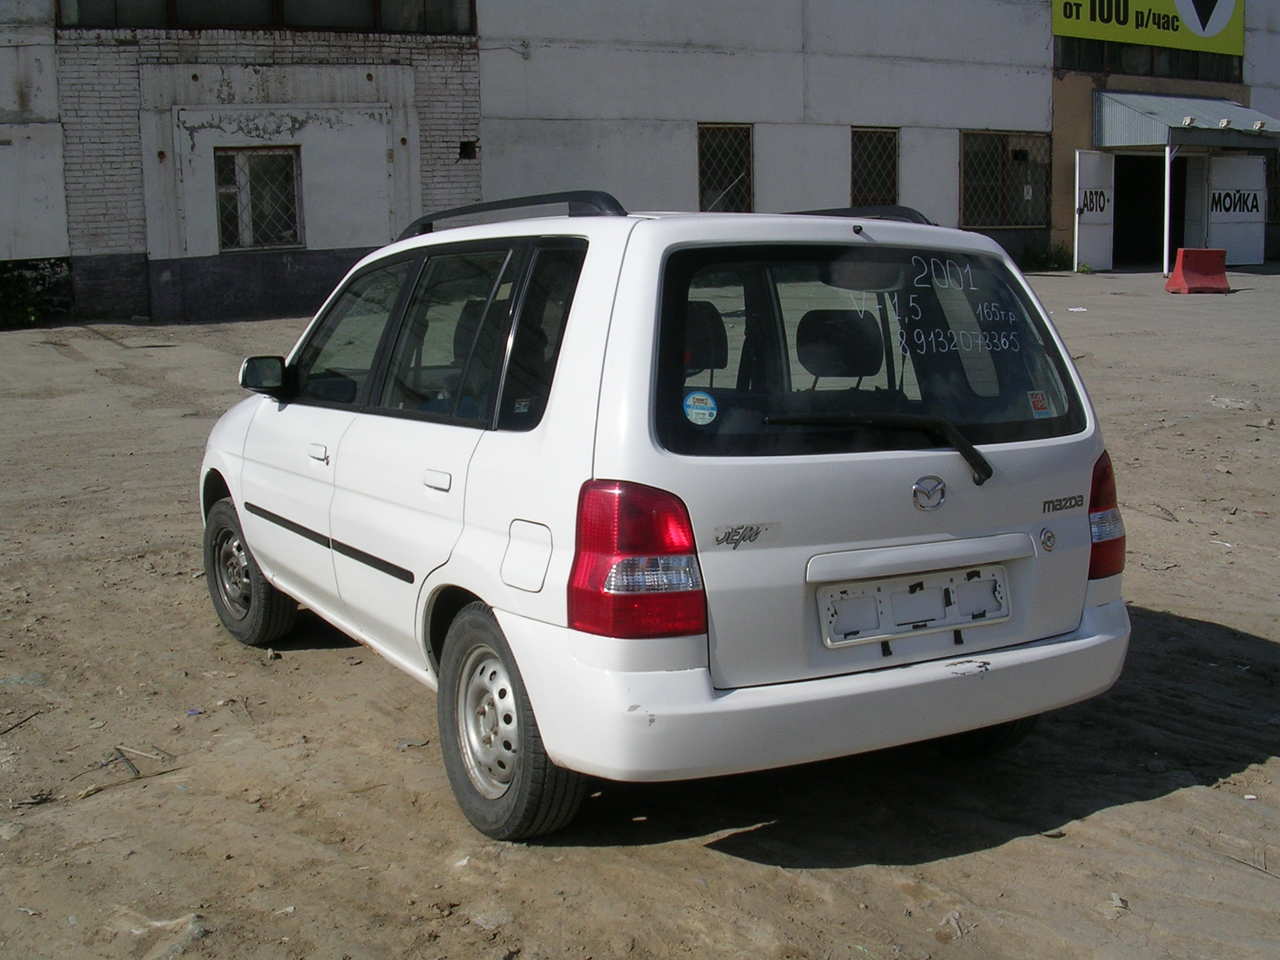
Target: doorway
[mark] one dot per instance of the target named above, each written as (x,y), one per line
(1139,210)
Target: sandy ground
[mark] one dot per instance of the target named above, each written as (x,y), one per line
(297,807)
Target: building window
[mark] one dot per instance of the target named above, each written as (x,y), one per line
(1273,186)
(724,167)
(1004,179)
(873,167)
(1139,60)
(258,203)
(387,16)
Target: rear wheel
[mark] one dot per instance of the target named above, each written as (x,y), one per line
(502,777)
(1002,736)
(252,610)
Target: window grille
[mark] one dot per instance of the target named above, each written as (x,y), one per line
(1004,179)
(258,203)
(873,167)
(724,167)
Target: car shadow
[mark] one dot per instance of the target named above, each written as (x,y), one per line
(312,633)
(1197,702)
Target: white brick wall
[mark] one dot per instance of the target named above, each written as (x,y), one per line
(99,91)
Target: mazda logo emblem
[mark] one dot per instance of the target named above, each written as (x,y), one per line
(928,493)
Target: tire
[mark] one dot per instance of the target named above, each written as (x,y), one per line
(252,610)
(502,778)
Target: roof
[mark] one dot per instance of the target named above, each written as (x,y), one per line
(1150,119)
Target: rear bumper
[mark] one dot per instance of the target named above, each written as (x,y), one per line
(601,718)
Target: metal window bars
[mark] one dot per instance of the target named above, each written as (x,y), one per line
(257,194)
(724,167)
(873,167)
(1004,179)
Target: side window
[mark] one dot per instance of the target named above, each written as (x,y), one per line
(540,330)
(336,361)
(449,351)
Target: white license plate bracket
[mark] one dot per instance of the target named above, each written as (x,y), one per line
(876,611)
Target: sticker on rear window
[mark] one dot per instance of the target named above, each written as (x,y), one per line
(1040,407)
(699,407)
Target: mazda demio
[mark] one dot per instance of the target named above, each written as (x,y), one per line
(661,496)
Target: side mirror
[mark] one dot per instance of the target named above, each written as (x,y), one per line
(263,375)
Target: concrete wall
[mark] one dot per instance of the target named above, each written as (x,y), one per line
(609,96)
(378,120)
(1262,55)
(33,219)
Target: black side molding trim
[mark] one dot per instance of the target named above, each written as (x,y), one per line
(368,559)
(289,525)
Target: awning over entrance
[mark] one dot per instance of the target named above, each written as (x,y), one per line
(1154,120)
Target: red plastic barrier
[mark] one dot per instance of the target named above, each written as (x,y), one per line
(1199,271)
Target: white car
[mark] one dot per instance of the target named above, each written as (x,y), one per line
(661,496)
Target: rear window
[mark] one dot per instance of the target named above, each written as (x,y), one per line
(760,333)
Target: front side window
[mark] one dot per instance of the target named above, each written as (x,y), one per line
(1004,179)
(258,202)
(799,349)
(448,355)
(335,363)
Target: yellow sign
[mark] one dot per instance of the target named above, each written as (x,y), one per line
(1214,26)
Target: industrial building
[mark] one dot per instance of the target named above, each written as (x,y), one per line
(184,160)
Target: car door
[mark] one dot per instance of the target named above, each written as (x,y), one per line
(287,480)
(401,471)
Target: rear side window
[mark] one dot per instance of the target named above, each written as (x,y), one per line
(447,356)
(828,337)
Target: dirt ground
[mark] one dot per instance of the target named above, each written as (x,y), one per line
(297,807)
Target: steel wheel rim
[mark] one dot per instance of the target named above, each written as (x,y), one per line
(488,722)
(231,573)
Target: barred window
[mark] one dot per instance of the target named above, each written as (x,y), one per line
(1273,186)
(873,167)
(1004,179)
(257,193)
(724,167)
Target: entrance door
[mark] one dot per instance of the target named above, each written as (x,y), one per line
(1095,189)
(1238,207)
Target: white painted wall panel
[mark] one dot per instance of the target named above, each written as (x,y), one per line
(647,165)
(28,81)
(756,24)
(560,81)
(929,173)
(33,209)
(928,94)
(801,166)
(996,31)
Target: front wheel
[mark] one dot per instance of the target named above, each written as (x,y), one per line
(501,776)
(252,610)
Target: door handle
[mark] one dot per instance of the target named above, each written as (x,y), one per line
(437,480)
(318,451)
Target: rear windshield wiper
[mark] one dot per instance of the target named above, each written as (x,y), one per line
(937,427)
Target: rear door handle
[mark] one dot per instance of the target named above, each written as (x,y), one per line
(318,451)
(437,480)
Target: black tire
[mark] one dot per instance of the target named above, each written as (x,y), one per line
(501,776)
(252,610)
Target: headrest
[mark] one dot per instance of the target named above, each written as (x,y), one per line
(468,322)
(706,345)
(840,343)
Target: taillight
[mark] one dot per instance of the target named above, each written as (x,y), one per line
(635,570)
(1106,528)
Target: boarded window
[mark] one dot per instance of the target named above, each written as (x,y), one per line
(724,167)
(873,167)
(1004,179)
(257,196)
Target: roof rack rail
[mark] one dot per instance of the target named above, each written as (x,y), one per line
(582,203)
(883,211)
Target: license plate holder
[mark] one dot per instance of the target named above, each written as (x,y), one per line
(890,608)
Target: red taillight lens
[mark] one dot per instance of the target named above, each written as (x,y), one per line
(635,570)
(1106,527)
